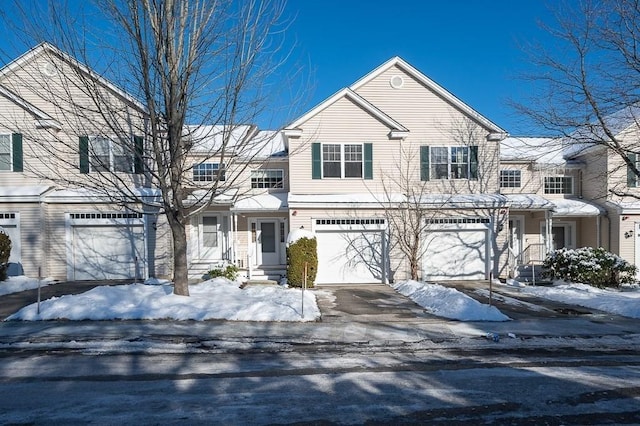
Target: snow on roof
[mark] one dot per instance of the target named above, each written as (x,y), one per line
(84,194)
(594,134)
(539,149)
(529,201)
(22,192)
(560,207)
(574,207)
(464,200)
(262,202)
(246,140)
(378,200)
(626,206)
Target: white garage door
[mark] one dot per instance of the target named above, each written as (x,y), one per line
(350,257)
(455,255)
(107,252)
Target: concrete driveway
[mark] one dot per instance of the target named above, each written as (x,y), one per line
(381,303)
(367,303)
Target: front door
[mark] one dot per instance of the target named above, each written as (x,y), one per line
(515,236)
(210,244)
(268,242)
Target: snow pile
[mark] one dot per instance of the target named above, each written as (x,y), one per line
(214,299)
(448,302)
(615,302)
(22,283)
(297,234)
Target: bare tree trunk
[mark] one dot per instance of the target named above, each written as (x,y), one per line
(180,267)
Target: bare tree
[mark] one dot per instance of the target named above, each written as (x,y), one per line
(585,86)
(183,62)
(412,198)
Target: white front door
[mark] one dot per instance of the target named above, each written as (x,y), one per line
(563,234)
(515,236)
(209,237)
(268,242)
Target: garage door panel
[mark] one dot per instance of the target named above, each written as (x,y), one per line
(350,257)
(107,252)
(455,255)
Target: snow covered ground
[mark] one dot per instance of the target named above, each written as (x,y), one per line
(223,299)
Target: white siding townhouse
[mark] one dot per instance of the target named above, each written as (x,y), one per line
(493,202)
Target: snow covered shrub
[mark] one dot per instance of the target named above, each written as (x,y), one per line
(588,265)
(303,250)
(229,272)
(5,251)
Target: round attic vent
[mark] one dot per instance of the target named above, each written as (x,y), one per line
(396,82)
(48,69)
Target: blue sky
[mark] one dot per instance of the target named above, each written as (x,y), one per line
(470,47)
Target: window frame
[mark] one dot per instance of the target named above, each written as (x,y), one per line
(112,146)
(10,153)
(512,180)
(556,188)
(261,182)
(342,160)
(212,175)
(453,166)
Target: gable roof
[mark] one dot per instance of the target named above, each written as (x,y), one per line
(396,128)
(49,49)
(396,61)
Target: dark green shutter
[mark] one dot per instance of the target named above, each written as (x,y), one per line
(316,161)
(632,178)
(83,150)
(368,161)
(138,164)
(473,162)
(424,163)
(16,140)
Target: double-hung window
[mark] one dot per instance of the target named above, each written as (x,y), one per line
(11,152)
(208,172)
(5,153)
(558,185)
(267,178)
(351,160)
(510,178)
(102,154)
(448,162)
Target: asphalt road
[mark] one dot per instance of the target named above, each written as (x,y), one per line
(376,358)
(324,387)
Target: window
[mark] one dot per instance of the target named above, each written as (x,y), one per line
(106,154)
(341,160)
(11,152)
(210,231)
(269,178)
(5,152)
(510,179)
(558,185)
(442,162)
(208,172)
